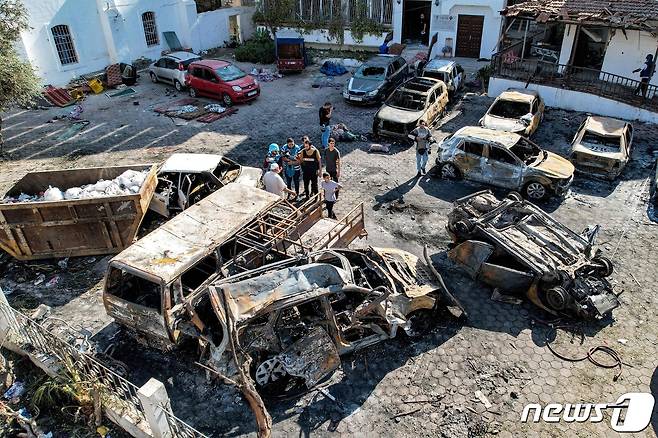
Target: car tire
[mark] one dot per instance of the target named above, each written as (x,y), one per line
(515,196)
(449,171)
(154,78)
(535,191)
(226,98)
(193,92)
(557,298)
(606,268)
(178,86)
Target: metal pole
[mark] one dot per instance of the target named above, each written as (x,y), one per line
(525,38)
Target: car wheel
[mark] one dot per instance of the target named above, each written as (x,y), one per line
(154,78)
(227,99)
(535,191)
(605,266)
(193,92)
(178,85)
(557,298)
(515,196)
(449,171)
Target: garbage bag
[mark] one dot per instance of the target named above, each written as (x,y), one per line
(332,69)
(53,194)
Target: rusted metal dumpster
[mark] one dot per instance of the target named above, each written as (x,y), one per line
(75,227)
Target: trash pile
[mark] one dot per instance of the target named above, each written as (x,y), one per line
(342,133)
(331,68)
(185,109)
(265,75)
(128,183)
(214,108)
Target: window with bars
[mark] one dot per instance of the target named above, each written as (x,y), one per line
(64,44)
(150,29)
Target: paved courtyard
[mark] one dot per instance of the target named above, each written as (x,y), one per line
(400,388)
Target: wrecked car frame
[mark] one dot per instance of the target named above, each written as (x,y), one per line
(516,247)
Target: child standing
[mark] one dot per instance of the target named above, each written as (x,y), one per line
(330,188)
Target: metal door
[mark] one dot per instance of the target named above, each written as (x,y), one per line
(469,35)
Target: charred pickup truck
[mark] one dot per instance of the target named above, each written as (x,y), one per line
(514,246)
(292,320)
(185,179)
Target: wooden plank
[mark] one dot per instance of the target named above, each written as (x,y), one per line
(12,244)
(114,230)
(125,217)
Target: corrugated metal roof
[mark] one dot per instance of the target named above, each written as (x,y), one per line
(620,12)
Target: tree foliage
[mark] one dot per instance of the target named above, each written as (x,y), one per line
(19,83)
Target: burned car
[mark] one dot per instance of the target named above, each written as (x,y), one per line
(602,146)
(518,111)
(185,179)
(293,320)
(516,247)
(451,73)
(415,100)
(504,159)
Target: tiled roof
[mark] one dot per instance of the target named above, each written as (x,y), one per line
(616,12)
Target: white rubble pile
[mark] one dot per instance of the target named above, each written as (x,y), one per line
(128,183)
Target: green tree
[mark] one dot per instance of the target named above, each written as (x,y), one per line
(19,83)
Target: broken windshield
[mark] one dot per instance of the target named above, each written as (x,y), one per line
(406,101)
(436,75)
(600,140)
(230,73)
(370,72)
(526,151)
(509,109)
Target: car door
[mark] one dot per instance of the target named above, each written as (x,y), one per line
(168,70)
(431,107)
(441,98)
(470,159)
(459,77)
(159,66)
(502,168)
(215,86)
(628,139)
(536,115)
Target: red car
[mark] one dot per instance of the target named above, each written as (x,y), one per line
(222,80)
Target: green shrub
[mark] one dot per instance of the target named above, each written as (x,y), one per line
(259,50)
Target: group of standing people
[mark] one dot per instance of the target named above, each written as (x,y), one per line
(304,163)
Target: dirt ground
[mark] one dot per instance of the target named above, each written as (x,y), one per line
(399,388)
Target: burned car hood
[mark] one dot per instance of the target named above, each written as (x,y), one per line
(600,151)
(555,166)
(501,124)
(398,115)
(249,176)
(365,85)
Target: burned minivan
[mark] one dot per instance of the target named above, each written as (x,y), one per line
(293,320)
(514,246)
(185,179)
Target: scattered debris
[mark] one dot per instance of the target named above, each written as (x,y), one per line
(379,148)
(485,401)
(397,417)
(14,392)
(502,298)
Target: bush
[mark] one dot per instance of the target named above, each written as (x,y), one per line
(259,50)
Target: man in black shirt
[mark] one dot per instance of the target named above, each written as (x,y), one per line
(311,165)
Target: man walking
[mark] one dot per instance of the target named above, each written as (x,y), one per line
(274,183)
(645,75)
(330,188)
(422,136)
(292,168)
(332,161)
(326,111)
(311,165)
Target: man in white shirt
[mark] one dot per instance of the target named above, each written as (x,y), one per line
(274,183)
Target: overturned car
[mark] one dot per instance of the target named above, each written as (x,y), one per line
(291,321)
(514,246)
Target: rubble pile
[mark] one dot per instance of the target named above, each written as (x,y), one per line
(128,183)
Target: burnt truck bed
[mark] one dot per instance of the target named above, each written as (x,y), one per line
(74,227)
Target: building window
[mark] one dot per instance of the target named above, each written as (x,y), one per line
(209,5)
(64,44)
(150,29)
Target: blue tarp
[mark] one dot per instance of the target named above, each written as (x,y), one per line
(332,69)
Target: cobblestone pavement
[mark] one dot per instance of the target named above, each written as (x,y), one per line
(399,388)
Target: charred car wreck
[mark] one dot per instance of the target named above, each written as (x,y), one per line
(514,246)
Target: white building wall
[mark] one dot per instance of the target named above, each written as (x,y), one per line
(109,31)
(627,53)
(577,101)
(321,36)
(84,24)
(445,18)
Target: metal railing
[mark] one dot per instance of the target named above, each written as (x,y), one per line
(49,348)
(179,428)
(355,218)
(586,80)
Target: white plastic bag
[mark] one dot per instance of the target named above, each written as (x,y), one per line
(53,194)
(73,193)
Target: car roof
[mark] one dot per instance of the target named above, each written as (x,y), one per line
(421,85)
(191,163)
(518,95)
(181,56)
(440,65)
(507,139)
(212,63)
(176,246)
(381,60)
(605,126)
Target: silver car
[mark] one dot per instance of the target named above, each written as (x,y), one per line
(172,68)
